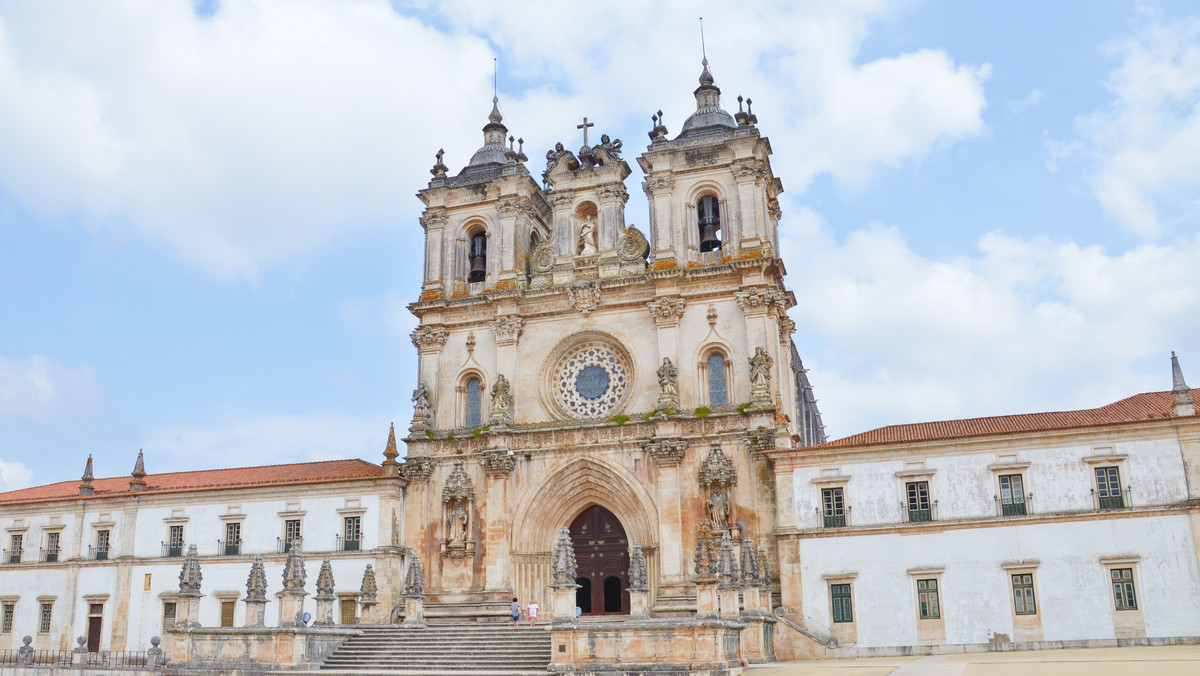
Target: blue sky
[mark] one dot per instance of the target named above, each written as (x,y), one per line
(208,233)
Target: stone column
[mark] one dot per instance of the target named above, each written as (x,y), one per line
(189,589)
(291,599)
(752,219)
(325,596)
(256,594)
(667,311)
(429,341)
(705,562)
(730,587)
(667,454)
(638,603)
(498,465)
(414,594)
(436,278)
(658,192)
(565,571)
(368,596)
(504,254)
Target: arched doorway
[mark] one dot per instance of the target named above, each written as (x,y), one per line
(602,555)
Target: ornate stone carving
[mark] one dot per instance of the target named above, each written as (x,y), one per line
(760,378)
(508,208)
(325,582)
(750,574)
(25,652)
(633,245)
(560,155)
(498,463)
(758,441)
(716,477)
(610,148)
(190,576)
(746,170)
(727,567)
(458,497)
(666,452)
(293,568)
(543,258)
(764,568)
(614,194)
(414,581)
(430,337)
(786,328)
(422,410)
(584,296)
(756,300)
(659,184)
(705,559)
(507,329)
(368,593)
(773,210)
(562,200)
(712,316)
(417,469)
(501,403)
(666,311)
(471,342)
(586,244)
(668,385)
(256,583)
(565,567)
(637,569)
(433,218)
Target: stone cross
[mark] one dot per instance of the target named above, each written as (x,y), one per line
(584,127)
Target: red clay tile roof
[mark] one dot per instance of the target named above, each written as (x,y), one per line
(206,480)
(1140,407)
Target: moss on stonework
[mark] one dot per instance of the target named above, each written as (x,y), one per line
(702,412)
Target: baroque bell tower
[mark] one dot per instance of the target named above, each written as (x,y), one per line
(577,373)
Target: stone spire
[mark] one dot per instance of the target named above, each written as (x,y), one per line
(190,576)
(1183,402)
(709,113)
(565,567)
(637,569)
(390,466)
(256,583)
(293,569)
(705,559)
(368,593)
(727,566)
(764,573)
(85,488)
(750,575)
(493,150)
(414,582)
(325,582)
(138,482)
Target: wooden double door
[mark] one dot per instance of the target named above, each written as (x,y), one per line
(602,556)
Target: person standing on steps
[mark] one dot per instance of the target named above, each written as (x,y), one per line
(531,610)
(516,611)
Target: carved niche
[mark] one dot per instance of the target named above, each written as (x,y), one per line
(717,477)
(458,505)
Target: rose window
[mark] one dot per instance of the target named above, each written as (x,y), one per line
(591,382)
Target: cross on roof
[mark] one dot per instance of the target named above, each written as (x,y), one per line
(584,127)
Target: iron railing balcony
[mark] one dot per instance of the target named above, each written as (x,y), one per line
(98,553)
(173,549)
(50,555)
(229,547)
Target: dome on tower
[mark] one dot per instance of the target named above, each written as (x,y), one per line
(709,113)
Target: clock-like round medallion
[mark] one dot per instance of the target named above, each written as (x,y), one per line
(591,382)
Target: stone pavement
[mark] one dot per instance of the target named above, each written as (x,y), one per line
(1135,661)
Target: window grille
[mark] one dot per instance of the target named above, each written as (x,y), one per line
(718,388)
(474,403)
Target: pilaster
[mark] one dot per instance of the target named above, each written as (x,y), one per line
(498,465)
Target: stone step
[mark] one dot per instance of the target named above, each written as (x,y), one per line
(458,649)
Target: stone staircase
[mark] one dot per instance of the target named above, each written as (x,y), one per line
(476,649)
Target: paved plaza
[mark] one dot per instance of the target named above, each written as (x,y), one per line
(1138,661)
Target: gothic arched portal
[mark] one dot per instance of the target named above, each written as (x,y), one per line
(602,554)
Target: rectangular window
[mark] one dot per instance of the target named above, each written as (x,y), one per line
(918,501)
(52,547)
(233,539)
(842,610)
(45,616)
(291,531)
(227,609)
(1123,594)
(1023,594)
(1108,486)
(16,543)
(834,507)
(353,533)
(168,614)
(175,542)
(349,610)
(927,598)
(6,618)
(1012,495)
(102,542)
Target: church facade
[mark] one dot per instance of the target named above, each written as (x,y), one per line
(577,371)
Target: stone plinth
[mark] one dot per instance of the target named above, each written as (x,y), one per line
(256,613)
(414,611)
(291,608)
(188,614)
(662,646)
(564,604)
(729,601)
(706,599)
(253,649)
(324,609)
(639,605)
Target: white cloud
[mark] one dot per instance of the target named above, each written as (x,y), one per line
(14,475)
(1019,106)
(1146,141)
(39,389)
(1020,325)
(242,440)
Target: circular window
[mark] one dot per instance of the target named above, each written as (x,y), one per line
(591,382)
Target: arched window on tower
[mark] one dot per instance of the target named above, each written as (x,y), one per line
(478,257)
(710,223)
(474,403)
(718,383)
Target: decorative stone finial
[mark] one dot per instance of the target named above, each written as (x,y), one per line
(256,583)
(727,567)
(325,582)
(138,482)
(390,453)
(190,576)
(705,559)
(368,593)
(764,568)
(495,117)
(439,169)
(414,582)
(293,569)
(86,487)
(565,568)
(750,572)
(637,570)
(1183,401)
(706,78)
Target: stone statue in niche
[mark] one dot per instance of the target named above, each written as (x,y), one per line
(456,527)
(422,412)
(717,477)
(458,498)
(760,369)
(587,237)
(718,510)
(501,402)
(668,384)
